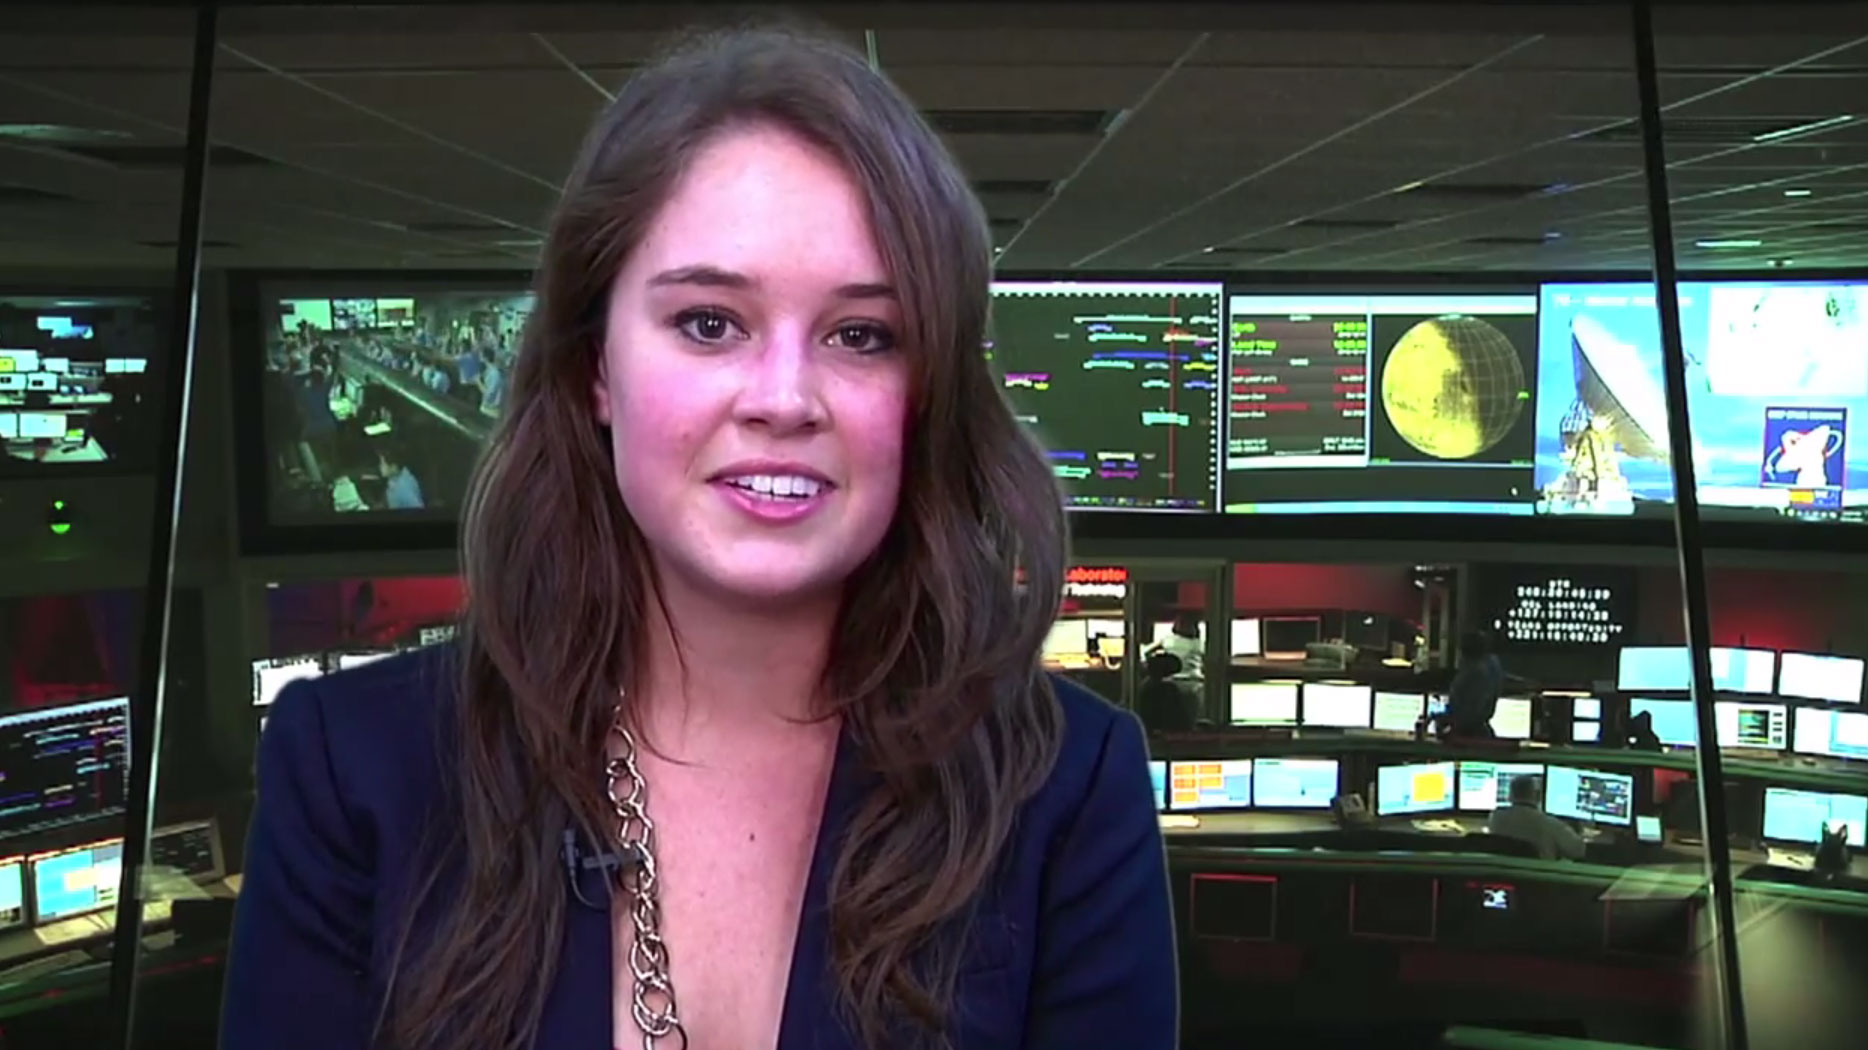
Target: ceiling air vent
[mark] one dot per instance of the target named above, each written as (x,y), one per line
(145,158)
(1479,191)
(1243,251)
(452,226)
(1690,131)
(1510,241)
(32,195)
(1347,224)
(1014,187)
(206,243)
(1021,121)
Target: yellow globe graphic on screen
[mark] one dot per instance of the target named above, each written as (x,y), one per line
(1451,387)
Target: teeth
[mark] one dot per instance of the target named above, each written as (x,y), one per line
(777,486)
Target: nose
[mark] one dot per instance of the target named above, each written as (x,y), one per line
(780,386)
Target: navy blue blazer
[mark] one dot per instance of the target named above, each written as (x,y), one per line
(1073,947)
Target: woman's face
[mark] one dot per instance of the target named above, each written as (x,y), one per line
(751,379)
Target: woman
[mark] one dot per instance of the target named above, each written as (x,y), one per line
(741,562)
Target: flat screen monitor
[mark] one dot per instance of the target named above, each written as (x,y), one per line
(1158,776)
(1245,637)
(1743,670)
(1264,703)
(1654,669)
(375,396)
(1775,378)
(1338,403)
(1067,640)
(1340,705)
(1436,705)
(78,386)
(1647,828)
(1219,784)
(75,881)
(12,892)
(1808,676)
(1294,783)
(1397,712)
(1589,794)
(63,765)
(1797,816)
(1824,731)
(1484,786)
(1289,637)
(1511,719)
(1673,720)
(1120,382)
(192,849)
(1752,725)
(1425,787)
(270,676)
(346,661)
(1582,732)
(1105,628)
(1586,707)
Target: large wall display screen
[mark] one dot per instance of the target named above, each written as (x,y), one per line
(1380,403)
(77,390)
(1121,384)
(1777,380)
(376,399)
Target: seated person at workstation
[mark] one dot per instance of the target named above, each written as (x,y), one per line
(1164,705)
(1183,641)
(1525,820)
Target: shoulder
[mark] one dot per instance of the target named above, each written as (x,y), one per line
(1101,761)
(372,736)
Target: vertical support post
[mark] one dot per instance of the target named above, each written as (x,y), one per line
(146,700)
(1687,536)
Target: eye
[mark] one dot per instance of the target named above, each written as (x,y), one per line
(863,337)
(706,326)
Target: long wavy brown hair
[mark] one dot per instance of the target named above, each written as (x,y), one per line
(934,661)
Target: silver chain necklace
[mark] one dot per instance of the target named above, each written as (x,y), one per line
(653,997)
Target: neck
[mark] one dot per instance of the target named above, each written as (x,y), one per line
(721,669)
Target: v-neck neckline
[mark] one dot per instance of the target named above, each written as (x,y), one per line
(808,1019)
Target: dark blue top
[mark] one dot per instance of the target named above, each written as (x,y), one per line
(1073,946)
(1472,698)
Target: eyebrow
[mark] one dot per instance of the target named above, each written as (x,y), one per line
(715,277)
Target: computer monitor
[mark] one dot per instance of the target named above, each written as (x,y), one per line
(1511,719)
(1743,670)
(1743,723)
(1837,734)
(1586,707)
(1654,668)
(1289,637)
(1397,712)
(1425,787)
(192,849)
(1436,705)
(1484,786)
(1589,794)
(1264,703)
(1110,648)
(1294,783)
(62,765)
(1647,828)
(1797,816)
(1582,732)
(1808,676)
(12,892)
(75,881)
(1246,640)
(1673,720)
(1217,784)
(1158,775)
(1067,640)
(270,676)
(346,661)
(1340,705)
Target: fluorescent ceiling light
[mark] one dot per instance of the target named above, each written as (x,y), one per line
(1798,193)
(1796,130)
(1733,242)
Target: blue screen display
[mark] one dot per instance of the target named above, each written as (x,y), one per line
(76,881)
(1776,381)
